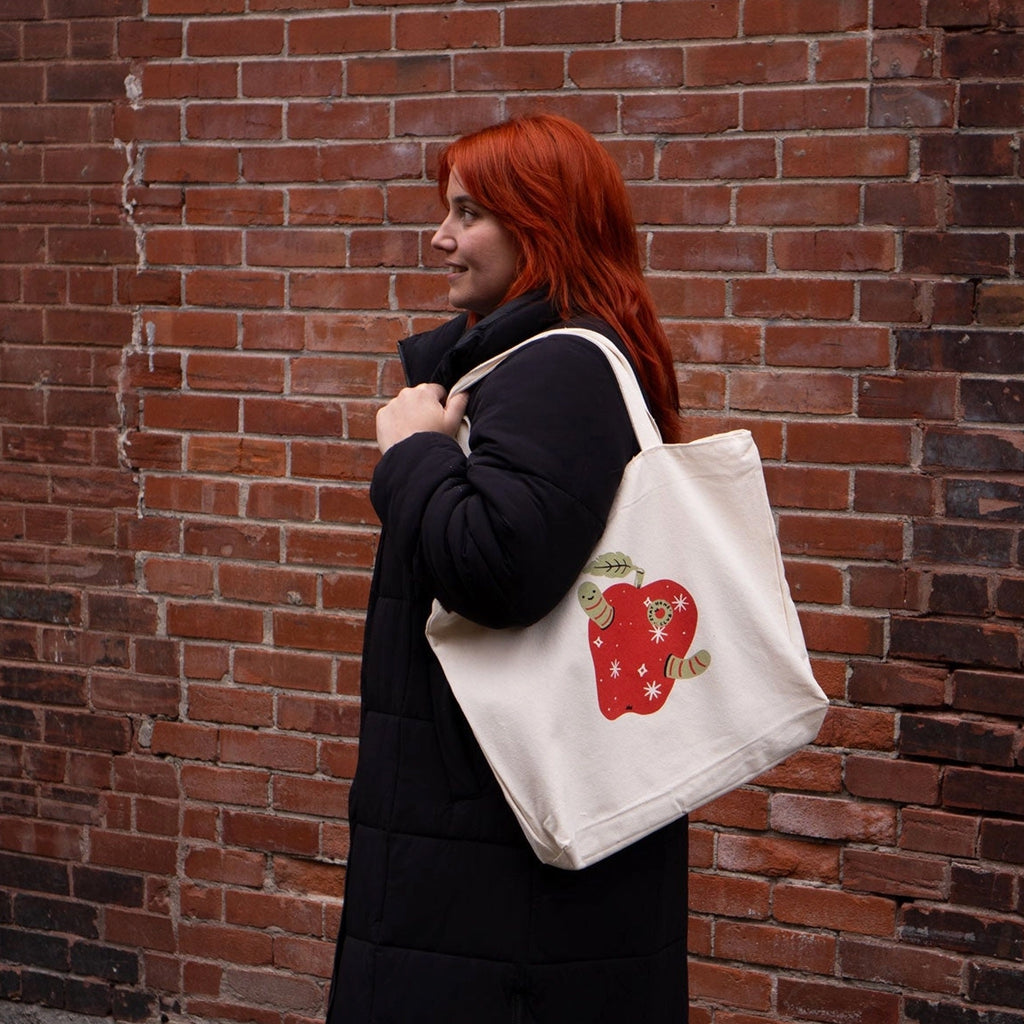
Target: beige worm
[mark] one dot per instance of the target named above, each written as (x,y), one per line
(594,604)
(687,668)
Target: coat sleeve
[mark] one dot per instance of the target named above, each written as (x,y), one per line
(500,536)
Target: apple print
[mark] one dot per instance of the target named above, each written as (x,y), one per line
(639,636)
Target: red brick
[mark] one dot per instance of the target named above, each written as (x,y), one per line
(719,983)
(332,718)
(268,750)
(709,250)
(835,250)
(703,159)
(942,832)
(137,853)
(822,1001)
(834,910)
(893,874)
(975,789)
(138,930)
(346,32)
(446,30)
(927,105)
(680,113)
(807,488)
(809,204)
(740,808)
(310,796)
(792,109)
(774,947)
(777,857)
(989,693)
(527,24)
(729,896)
(215,784)
(217,864)
(208,941)
(236,455)
(830,818)
(747,63)
(785,17)
(271,833)
(907,782)
(833,346)
(797,299)
(952,739)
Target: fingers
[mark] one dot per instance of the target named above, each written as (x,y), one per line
(454,411)
(417,409)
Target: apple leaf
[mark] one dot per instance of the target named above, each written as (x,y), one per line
(614,564)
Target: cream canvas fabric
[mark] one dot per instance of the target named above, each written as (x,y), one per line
(674,671)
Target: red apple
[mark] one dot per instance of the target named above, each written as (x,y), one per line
(639,636)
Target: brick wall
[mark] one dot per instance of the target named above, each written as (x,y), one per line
(212,219)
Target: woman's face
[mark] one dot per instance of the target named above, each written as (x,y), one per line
(480,255)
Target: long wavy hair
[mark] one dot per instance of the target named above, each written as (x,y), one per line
(561,196)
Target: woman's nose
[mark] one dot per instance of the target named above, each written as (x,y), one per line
(442,239)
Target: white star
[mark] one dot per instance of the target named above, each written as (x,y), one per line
(616,669)
(597,641)
(680,602)
(658,634)
(652,690)
(642,671)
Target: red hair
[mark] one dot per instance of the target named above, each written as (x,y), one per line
(560,194)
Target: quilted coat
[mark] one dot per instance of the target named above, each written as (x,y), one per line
(449,918)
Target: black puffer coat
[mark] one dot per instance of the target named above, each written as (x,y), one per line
(449,917)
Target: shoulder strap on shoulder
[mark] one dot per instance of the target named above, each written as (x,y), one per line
(646,430)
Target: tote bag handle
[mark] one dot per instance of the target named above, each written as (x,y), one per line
(646,430)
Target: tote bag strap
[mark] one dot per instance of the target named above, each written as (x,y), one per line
(644,426)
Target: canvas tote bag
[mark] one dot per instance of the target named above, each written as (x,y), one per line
(673,671)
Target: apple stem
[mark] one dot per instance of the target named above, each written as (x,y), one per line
(639,576)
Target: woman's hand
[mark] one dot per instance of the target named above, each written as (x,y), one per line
(416,409)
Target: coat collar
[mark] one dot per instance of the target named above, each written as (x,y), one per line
(448,352)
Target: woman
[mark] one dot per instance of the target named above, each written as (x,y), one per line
(449,917)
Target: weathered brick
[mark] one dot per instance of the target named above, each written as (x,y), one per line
(810,1000)
(989,500)
(999,792)
(1000,304)
(35,949)
(966,154)
(99,885)
(956,253)
(893,964)
(921,104)
(830,818)
(972,886)
(1002,841)
(931,831)
(897,684)
(923,1011)
(891,491)
(992,401)
(955,448)
(956,543)
(44,913)
(990,104)
(975,934)
(958,594)
(877,778)
(895,874)
(989,693)
(946,640)
(985,352)
(32,604)
(953,739)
